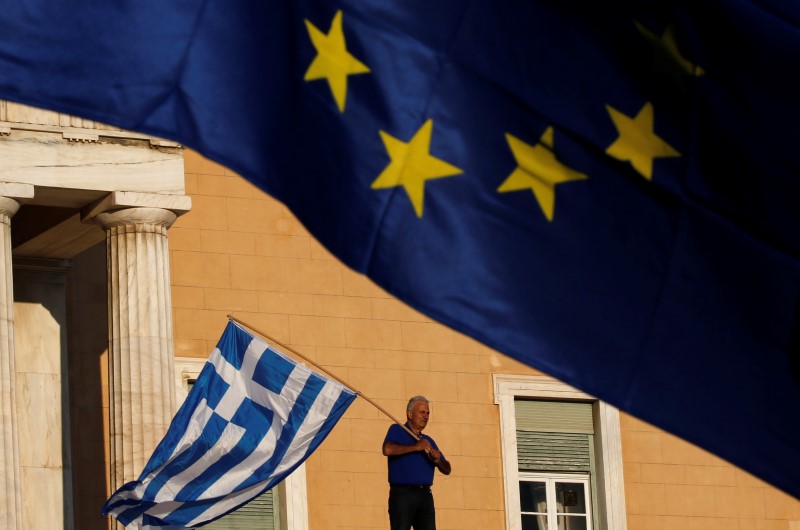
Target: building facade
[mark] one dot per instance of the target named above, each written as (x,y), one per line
(124,254)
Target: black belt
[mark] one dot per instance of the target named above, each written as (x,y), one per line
(409,487)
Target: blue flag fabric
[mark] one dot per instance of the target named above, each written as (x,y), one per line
(253,416)
(607,191)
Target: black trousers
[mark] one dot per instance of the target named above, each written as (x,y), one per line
(411,506)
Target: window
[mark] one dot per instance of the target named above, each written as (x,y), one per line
(284,507)
(556,463)
(562,457)
(554,501)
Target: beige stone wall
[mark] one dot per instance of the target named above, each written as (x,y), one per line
(671,484)
(238,251)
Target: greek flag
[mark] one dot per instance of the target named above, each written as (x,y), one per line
(253,416)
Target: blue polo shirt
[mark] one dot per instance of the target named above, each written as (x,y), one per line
(410,469)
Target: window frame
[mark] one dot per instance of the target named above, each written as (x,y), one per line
(292,492)
(550,480)
(610,494)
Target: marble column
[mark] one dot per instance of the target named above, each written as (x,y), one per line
(10,487)
(141,365)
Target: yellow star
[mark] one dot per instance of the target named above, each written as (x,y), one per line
(637,143)
(333,62)
(411,165)
(668,45)
(538,171)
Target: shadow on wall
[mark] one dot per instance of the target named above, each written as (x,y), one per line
(42,391)
(61,343)
(87,340)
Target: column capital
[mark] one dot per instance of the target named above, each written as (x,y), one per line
(12,195)
(136,216)
(8,207)
(128,208)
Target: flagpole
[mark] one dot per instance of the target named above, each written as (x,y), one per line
(320,368)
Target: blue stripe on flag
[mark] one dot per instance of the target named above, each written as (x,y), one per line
(293,424)
(190,512)
(253,416)
(203,390)
(340,406)
(211,434)
(238,453)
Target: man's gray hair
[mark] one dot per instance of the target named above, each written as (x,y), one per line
(414,400)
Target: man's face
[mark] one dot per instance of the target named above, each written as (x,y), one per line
(418,416)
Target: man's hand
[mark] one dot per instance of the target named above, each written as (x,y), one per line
(436,457)
(393,449)
(424,445)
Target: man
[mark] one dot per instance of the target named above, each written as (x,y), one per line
(411,467)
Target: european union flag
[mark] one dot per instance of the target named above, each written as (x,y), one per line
(607,191)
